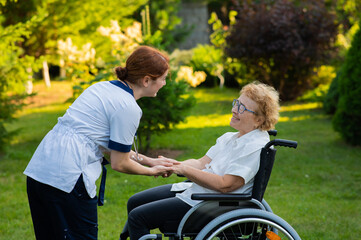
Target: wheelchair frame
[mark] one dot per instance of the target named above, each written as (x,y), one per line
(224,215)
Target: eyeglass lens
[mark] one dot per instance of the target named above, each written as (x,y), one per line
(240,107)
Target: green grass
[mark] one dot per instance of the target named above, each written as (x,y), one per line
(316,187)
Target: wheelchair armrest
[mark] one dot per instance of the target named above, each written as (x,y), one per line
(221,196)
(281,142)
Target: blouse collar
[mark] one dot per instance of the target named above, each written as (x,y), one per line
(123,86)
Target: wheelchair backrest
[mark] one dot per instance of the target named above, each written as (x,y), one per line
(264,172)
(268,154)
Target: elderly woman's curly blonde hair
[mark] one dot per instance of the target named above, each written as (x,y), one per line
(267,99)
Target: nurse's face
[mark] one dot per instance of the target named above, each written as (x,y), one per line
(155,85)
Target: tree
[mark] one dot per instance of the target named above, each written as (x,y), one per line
(164,23)
(77,20)
(281,43)
(13,73)
(347,118)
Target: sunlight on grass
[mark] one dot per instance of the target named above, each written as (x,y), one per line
(211,120)
(221,120)
(216,94)
(48,109)
(299,107)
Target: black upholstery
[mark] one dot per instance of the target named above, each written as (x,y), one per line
(264,173)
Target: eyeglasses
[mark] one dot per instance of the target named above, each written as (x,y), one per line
(240,107)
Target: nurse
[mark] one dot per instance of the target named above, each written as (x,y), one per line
(61,174)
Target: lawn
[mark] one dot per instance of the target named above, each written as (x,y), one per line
(316,187)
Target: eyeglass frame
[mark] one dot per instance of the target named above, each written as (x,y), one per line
(238,103)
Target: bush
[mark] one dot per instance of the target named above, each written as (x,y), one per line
(347,118)
(281,43)
(208,59)
(15,68)
(331,98)
(320,83)
(164,111)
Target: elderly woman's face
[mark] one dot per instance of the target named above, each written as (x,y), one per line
(246,121)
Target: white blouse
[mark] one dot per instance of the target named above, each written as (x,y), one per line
(233,155)
(104,116)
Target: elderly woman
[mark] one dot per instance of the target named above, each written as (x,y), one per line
(228,166)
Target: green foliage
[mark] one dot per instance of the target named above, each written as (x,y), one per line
(163,25)
(347,118)
(14,73)
(209,59)
(161,113)
(320,83)
(281,43)
(315,95)
(331,98)
(78,20)
(348,11)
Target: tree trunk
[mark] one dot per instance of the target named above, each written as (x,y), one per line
(62,69)
(221,81)
(29,83)
(46,75)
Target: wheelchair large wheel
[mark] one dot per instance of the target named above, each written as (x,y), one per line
(250,224)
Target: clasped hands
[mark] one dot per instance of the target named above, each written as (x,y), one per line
(165,167)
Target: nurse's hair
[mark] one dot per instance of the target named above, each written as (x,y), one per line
(267,99)
(144,61)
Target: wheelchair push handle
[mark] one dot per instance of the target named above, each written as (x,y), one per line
(272,132)
(282,143)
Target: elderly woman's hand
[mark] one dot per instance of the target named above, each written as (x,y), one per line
(164,161)
(179,168)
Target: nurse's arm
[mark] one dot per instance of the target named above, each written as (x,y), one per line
(121,162)
(148,161)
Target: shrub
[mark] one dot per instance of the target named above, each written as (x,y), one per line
(347,118)
(320,83)
(280,43)
(331,98)
(192,78)
(15,69)
(208,59)
(164,111)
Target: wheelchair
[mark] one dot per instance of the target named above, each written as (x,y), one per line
(227,216)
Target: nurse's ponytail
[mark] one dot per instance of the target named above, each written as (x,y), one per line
(121,73)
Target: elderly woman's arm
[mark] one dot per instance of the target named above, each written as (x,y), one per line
(198,163)
(195,163)
(226,183)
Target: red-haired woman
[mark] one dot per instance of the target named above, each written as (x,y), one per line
(62,172)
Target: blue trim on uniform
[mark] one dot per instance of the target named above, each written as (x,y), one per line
(122,86)
(119,147)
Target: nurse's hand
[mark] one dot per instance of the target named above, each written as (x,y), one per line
(160,170)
